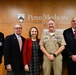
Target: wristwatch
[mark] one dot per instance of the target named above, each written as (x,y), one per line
(54,55)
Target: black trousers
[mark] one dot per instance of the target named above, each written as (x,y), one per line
(71,66)
(15,73)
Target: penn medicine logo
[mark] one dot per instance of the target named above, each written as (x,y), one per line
(21,17)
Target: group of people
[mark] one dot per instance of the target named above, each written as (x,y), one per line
(28,56)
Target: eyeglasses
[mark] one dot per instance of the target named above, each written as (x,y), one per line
(18,28)
(73,20)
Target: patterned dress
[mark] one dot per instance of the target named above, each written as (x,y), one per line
(34,65)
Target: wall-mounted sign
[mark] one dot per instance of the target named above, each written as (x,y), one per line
(21,17)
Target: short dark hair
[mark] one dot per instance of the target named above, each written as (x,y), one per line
(30,32)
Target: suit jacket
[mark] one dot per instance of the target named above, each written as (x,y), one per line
(70,48)
(12,53)
(1,45)
(27,52)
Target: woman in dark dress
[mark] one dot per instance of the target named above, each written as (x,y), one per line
(32,55)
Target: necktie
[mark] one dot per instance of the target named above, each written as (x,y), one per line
(20,42)
(75,34)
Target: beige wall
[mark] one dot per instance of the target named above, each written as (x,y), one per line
(61,10)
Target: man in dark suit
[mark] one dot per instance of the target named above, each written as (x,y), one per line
(69,53)
(13,52)
(1,46)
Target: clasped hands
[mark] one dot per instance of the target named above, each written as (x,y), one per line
(51,57)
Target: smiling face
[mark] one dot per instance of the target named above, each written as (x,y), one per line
(18,29)
(51,25)
(73,23)
(33,33)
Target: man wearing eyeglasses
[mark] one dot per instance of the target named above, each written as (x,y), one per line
(13,52)
(69,53)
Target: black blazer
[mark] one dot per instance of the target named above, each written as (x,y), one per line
(12,53)
(1,45)
(70,48)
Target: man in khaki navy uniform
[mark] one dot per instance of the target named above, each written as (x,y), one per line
(52,44)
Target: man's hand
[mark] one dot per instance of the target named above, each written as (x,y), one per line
(50,57)
(9,68)
(74,58)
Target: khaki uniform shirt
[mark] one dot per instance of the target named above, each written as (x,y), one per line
(52,42)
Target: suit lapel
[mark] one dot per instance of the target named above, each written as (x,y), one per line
(71,34)
(15,39)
